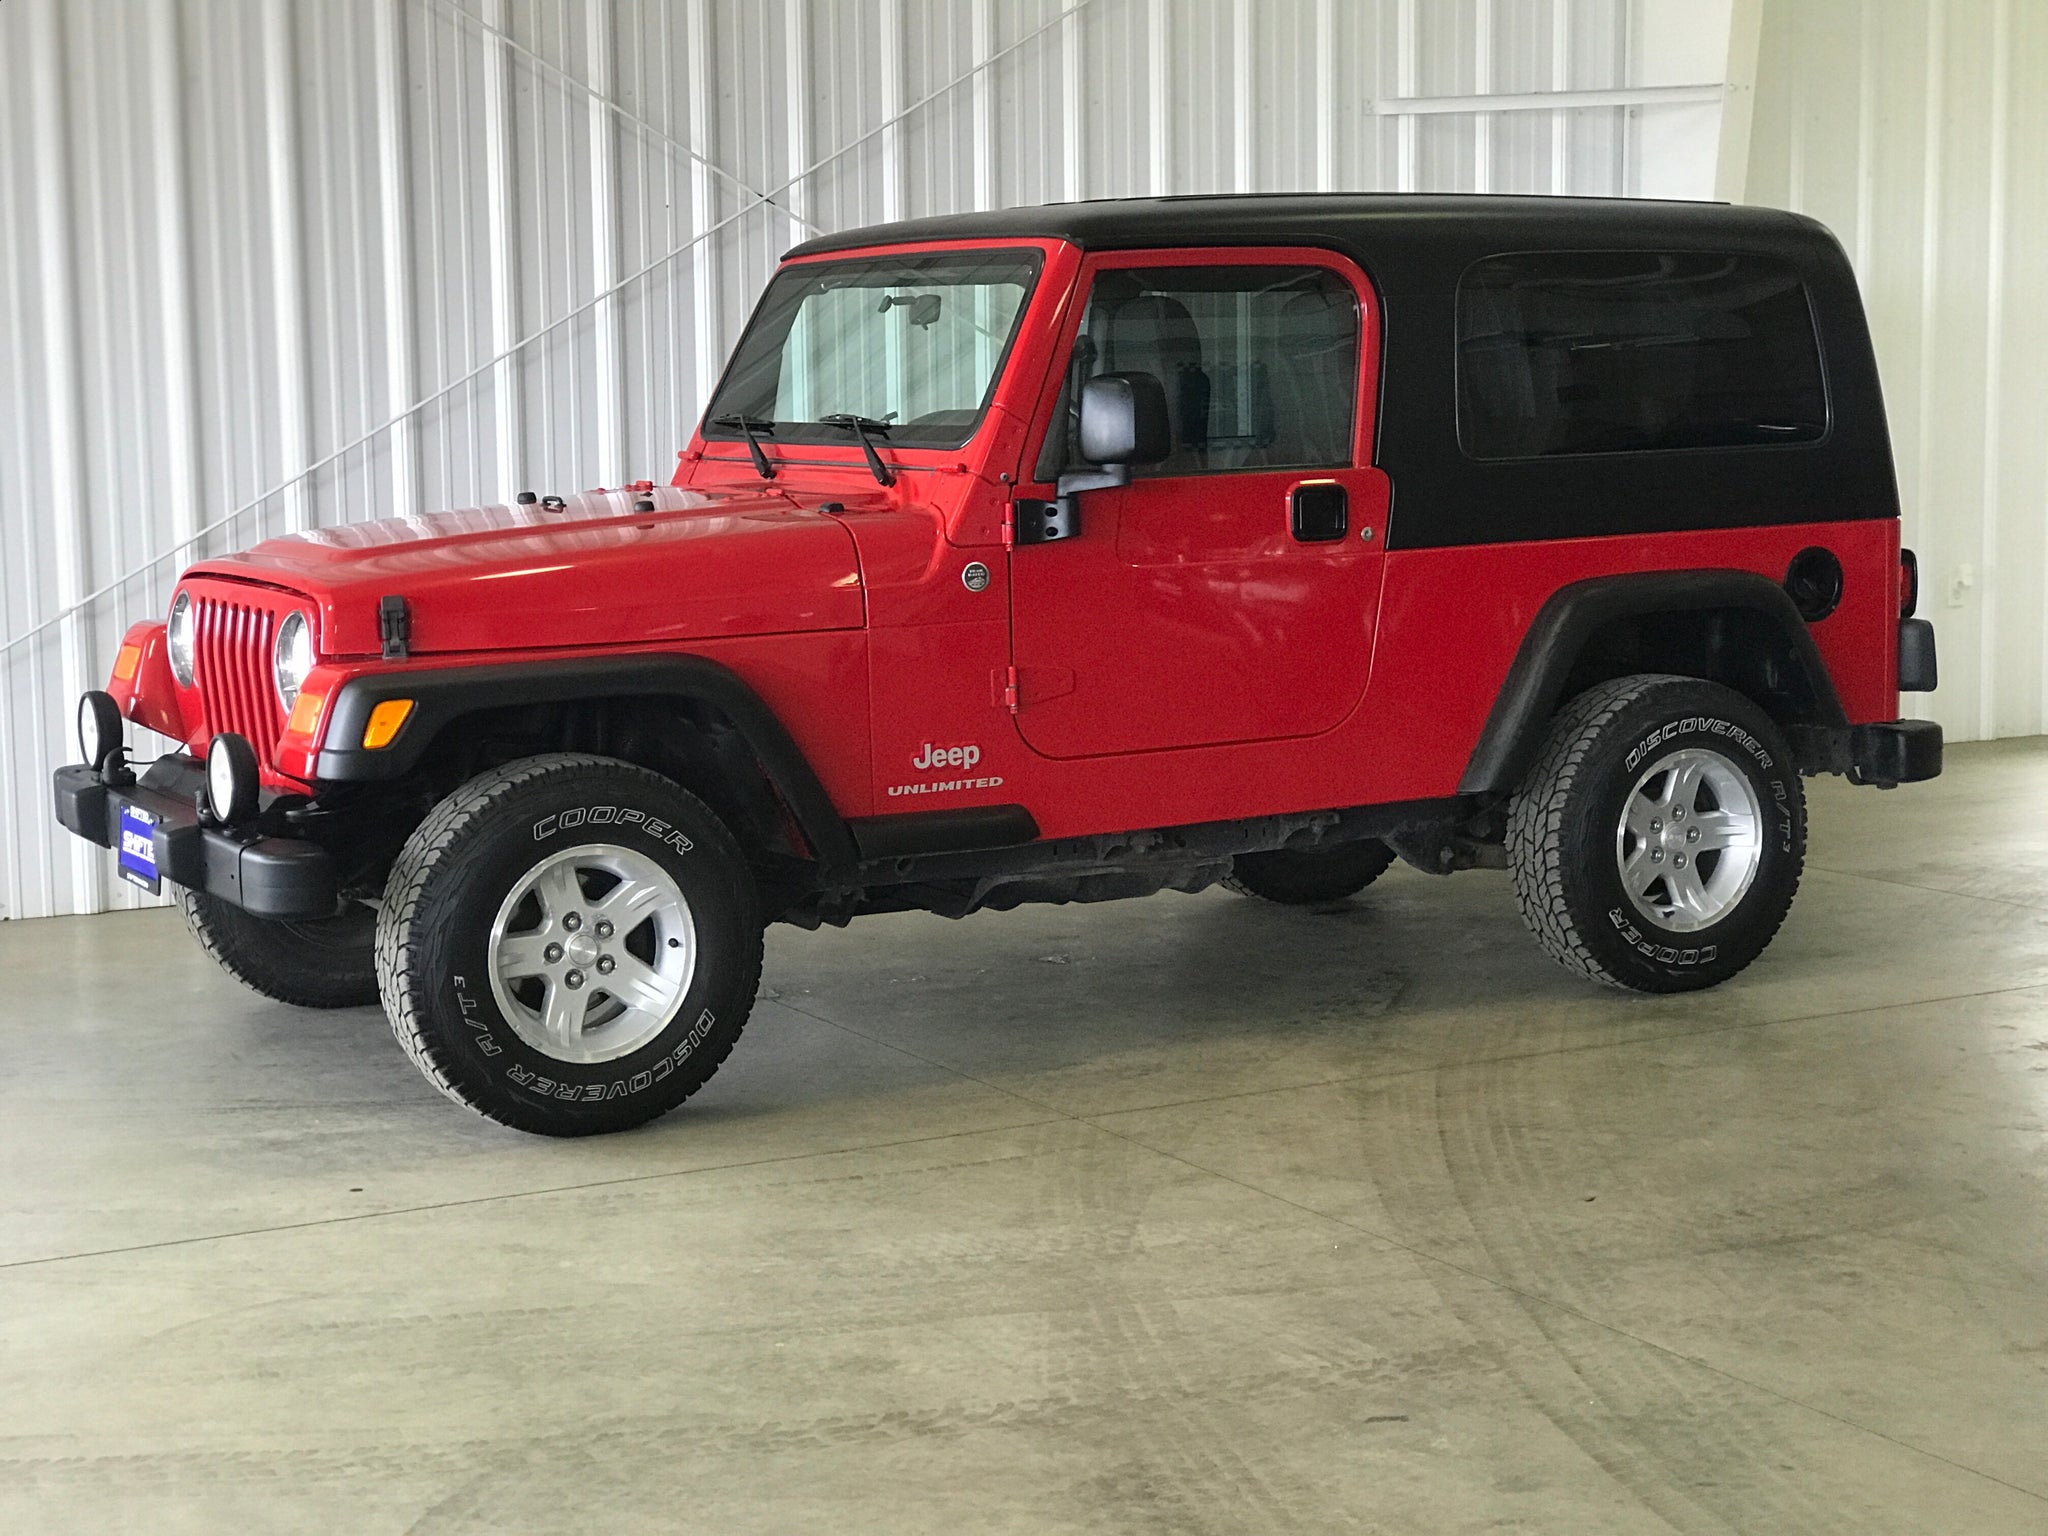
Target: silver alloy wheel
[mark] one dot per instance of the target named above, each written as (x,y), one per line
(1690,839)
(592,952)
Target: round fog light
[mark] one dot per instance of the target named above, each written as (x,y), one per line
(99,728)
(231,778)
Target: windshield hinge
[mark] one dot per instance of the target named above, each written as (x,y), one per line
(394,627)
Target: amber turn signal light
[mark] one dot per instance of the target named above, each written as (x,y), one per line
(305,716)
(126,662)
(386,720)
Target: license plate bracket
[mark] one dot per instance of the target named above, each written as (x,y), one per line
(138,848)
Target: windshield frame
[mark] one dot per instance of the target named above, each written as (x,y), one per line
(1030,254)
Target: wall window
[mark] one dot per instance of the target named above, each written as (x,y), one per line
(1620,352)
(1259,364)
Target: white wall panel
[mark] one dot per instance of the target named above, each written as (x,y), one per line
(1919,143)
(268,264)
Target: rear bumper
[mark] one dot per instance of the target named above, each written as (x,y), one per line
(277,877)
(1894,752)
(1885,753)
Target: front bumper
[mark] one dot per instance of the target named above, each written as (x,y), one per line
(277,877)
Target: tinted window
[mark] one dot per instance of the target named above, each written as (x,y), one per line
(913,341)
(1627,352)
(1259,364)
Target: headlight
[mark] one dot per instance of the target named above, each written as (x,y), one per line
(294,657)
(180,639)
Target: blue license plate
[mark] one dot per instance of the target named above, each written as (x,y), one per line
(138,846)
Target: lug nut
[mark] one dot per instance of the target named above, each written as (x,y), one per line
(1678,813)
(573,921)
(604,928)
(574,978)
(1656,855)
(552,954)
(1692,834)
(1678,859)
(1656,825)
(606,965)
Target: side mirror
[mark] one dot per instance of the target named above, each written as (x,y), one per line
(1123,422)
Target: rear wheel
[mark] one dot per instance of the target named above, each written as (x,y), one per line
(1299,877)
(328,962)
(1658,841)
(570,945)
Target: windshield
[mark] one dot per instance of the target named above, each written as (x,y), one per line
(912,343)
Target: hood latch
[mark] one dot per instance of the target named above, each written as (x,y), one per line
(394,627)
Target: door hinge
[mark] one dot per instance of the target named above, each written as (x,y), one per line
(1010,689)
(1041,522)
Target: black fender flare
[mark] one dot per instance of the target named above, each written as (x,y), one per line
(442,695)
(1536,681)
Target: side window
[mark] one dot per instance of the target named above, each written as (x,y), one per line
(1259,364)
(1627,352)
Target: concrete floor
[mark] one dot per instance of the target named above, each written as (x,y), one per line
(1189,1214)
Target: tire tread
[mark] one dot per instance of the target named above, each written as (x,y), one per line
(1306,890)
(217,927)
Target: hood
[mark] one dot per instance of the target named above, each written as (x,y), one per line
(598,571)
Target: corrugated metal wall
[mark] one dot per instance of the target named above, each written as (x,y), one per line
(1921,144)
(267,264)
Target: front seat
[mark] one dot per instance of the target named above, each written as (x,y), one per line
(1155,334)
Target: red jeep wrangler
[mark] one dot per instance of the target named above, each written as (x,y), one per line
(1061,554)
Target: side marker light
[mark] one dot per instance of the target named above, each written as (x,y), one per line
(386,720)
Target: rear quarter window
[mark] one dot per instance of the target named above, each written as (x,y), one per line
(1635,352)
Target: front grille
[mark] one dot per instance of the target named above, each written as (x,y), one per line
(232,666)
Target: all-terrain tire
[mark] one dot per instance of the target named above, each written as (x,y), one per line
(1567,843)
(435,953)
(328,962)
(1301,877)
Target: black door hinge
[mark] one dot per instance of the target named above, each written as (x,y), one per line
(1042,522)
(394,627)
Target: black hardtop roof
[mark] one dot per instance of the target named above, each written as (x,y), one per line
(1381,221)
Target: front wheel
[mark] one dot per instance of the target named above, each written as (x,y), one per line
(569,945)
(1658,841)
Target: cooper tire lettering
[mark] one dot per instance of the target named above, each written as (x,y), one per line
(613,816)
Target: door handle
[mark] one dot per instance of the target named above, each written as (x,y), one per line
(1319,511)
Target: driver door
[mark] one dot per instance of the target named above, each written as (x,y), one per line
(1229,592)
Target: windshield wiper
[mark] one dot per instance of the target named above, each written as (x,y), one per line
(740,422)
(860,427)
